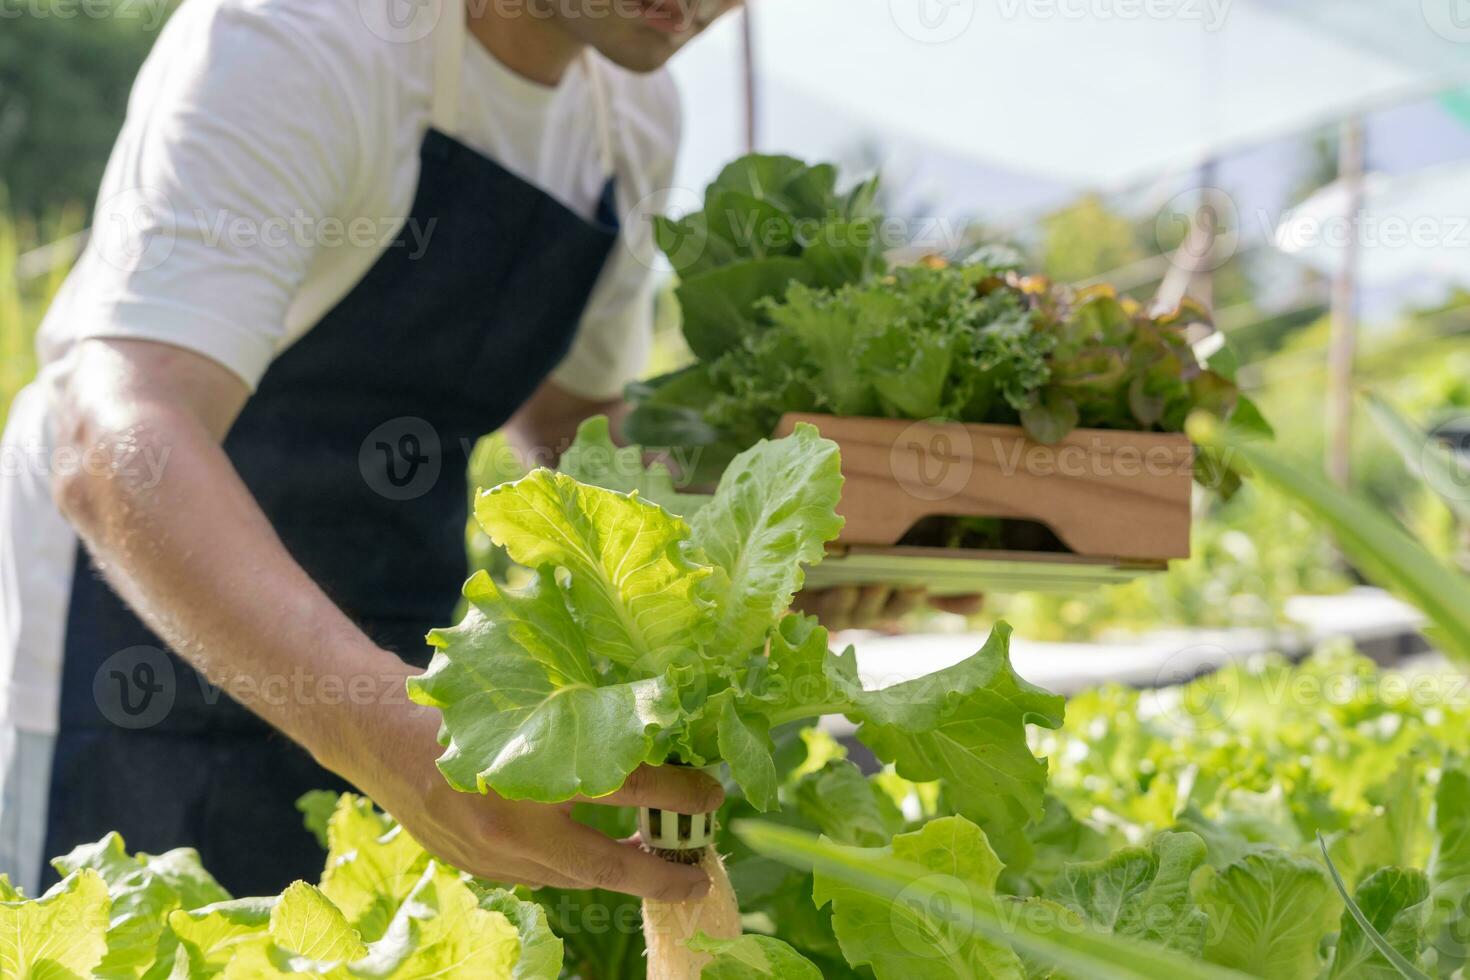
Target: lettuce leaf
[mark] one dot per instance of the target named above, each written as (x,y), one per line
(541,951)
(440,931)
(1449,863)
(1269,910)
(1394,902)
(673,412)
(372,865)
(445,930)
(632,590)
(767,221)
(526,713)
(383,910)
(209,937)
(306,922)
(845,806)
(594,459)
(636,633)
(823,794)
(316,808)
(774,512)
(966,725)
(144,889)
(62,934)
(900,939)
(1141,893)
(752,957)
(723,308)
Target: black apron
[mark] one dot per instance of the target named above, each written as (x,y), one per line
(355,445)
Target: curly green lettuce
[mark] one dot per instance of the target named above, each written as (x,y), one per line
(779,325)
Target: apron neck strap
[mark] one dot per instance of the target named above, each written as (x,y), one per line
(449,40)
(601,111)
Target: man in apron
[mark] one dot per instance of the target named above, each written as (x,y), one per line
(333,247)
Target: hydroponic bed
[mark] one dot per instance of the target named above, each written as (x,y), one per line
(1187,820)
(1185,817)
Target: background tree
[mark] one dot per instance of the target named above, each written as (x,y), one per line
(65,73)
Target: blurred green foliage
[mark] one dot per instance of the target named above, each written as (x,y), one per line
(1248,557)
(1269,753)
(65,72)
(1421,365)
(1252,553)
(22,304)
(1087,238)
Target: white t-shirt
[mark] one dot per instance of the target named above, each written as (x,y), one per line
(270,154)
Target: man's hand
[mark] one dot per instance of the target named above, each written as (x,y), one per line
(546,424)
(872,606)
(526,843)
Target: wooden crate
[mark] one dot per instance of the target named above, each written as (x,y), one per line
(1120,501)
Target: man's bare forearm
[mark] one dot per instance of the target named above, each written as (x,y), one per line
(184,543)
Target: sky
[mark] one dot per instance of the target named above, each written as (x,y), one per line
(818,120)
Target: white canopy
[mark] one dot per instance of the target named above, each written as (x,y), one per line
(1413,227)
(1077,92)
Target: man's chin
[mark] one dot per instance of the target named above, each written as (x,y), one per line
(646,51)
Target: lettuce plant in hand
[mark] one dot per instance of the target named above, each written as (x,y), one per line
(646,638)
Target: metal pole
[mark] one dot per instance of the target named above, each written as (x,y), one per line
(1207,220)
(752,117)
(1342,344)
